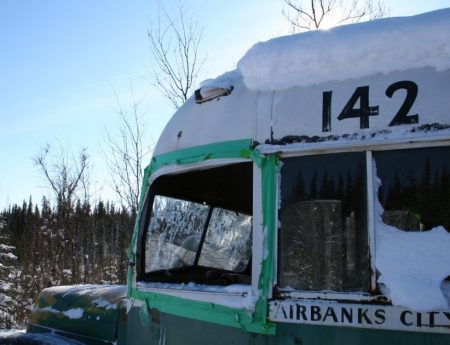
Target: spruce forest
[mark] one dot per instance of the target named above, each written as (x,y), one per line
(44,245)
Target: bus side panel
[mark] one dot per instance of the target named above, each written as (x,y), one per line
(320,335)
(167,329)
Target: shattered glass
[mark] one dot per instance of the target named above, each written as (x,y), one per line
(175,236)
(174,233)
(227,243)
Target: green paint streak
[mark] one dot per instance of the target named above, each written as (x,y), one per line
(227,149)
(210,312)
(269,166)
(202,311)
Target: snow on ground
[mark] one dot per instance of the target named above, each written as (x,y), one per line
(412,265)
(345,52)
(15,336)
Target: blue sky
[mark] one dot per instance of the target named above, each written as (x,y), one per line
(61,62)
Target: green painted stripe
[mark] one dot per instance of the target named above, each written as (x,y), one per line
(226,149)
(269,168)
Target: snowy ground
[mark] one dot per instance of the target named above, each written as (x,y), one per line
(19,337)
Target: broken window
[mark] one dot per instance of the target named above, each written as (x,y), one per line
(415,187)
(227,243)
(198,227)
(174,233)
(323,240)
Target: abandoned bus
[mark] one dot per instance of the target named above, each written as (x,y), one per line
(316,212)
(303,198)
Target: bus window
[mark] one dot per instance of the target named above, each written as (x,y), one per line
(415,187)
(199,227)
(323,239)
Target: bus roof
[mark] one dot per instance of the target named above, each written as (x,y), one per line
(388,78)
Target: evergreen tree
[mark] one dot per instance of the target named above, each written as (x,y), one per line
(57,246)
(8,276)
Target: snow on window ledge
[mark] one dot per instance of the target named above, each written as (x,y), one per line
(232,296)
(412,266)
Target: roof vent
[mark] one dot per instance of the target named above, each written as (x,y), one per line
(205,94)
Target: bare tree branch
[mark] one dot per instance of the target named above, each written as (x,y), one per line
(126,153)
(64,176)
(321,13)
(174,41)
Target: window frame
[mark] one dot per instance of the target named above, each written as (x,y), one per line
(187,292)
(368,148)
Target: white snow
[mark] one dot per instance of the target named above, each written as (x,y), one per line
(392,135)
(50,310)
(16,336)
(6,247)
(224,81)
(11,331)
(345,52)
(10,256)
(232,296)
(349,51)
(74,314)
(412,265)
(234,288)
(103,303)
(82,289)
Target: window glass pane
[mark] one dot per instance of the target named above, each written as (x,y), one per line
(415,187)
(227,243)
(323,241)
(174,233)
(198,225)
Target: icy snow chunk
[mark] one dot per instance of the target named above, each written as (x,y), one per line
(413,265)
(76,313)
(349,51)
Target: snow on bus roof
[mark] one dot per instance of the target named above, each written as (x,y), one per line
(375,53)
(347,52)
